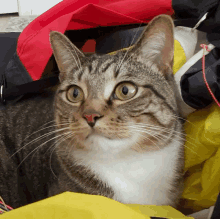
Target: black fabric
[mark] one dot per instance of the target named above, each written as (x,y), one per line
(8,43)
(118,40)
(10,66)
(79,37)
(192,8)
(193,87)
(186,22)
(18,82)
(31,87)
(15,72)
(216,212)
(159,218)
(188,10)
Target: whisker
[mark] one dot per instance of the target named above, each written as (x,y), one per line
(130,57)
(180,138)
(47,123)
(78,60)
(183,139)
(137,50)
(145,131)
(71,147)
(62,124)
(56,145)
(155,136)
(64,135)
(38,148)
(161,128)
(151,140)
(157,127)
(185,120)
(49,147)
(174,131)
(38,138)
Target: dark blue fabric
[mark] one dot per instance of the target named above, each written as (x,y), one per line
(10,65)
(15,72)
(216,212)
(8,43)
(193,87)
(118,40)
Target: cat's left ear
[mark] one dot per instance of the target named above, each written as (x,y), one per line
(156,44)
(67,55)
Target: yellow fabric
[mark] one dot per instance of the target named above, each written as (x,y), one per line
(202,157)
(82,206)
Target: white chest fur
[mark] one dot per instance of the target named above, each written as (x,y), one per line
(134,177)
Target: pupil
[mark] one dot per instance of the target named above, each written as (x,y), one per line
(75,93)
(125,90)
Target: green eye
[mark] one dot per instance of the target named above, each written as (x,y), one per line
(125,91)
(75,94)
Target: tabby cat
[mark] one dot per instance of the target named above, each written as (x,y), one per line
(112,127)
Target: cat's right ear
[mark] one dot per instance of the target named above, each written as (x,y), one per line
(67,55)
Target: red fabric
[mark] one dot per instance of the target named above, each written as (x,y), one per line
(33,47)
(89,46)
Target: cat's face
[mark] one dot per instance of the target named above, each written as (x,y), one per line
(117,102)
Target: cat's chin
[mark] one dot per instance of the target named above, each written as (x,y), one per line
(92,134)
(99,142)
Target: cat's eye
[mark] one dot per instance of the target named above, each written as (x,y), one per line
(125,91)
(74,94)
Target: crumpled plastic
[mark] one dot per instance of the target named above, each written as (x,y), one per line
(70,205)
(202,151)
(202,158)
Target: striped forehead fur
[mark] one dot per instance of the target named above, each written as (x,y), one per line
(100,75)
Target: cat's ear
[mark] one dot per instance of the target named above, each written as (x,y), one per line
(157,42)
(67,55)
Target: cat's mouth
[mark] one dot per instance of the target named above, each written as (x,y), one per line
(95,133)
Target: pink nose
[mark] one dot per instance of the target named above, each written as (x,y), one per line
(91,118)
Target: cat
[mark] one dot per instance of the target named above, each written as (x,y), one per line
(111,128)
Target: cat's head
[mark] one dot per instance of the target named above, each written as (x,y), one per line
(121,101)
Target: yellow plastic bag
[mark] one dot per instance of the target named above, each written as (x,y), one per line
(202,158)
(70,205)
(202,151)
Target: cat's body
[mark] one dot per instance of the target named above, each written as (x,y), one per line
(111,129)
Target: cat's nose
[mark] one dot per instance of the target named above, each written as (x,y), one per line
(91,118)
